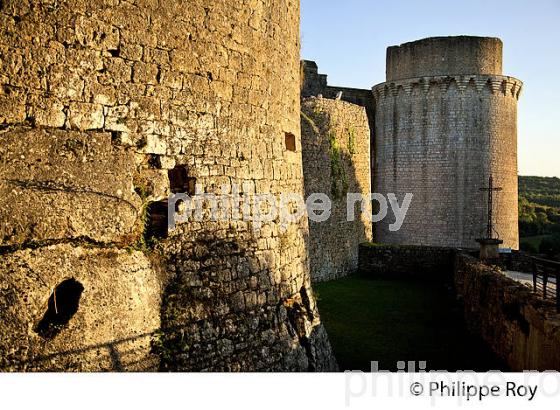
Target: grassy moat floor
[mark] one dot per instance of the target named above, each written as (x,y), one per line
(393,320)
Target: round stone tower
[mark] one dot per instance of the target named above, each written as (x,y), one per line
(106,109)
(445,121)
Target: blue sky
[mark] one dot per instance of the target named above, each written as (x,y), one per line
(348,39)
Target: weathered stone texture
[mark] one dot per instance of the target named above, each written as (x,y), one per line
(61,185)
(423,263)
(336,161)
(520,328)
(211,86)
(115,323)
(312,83)
(441,56)
(440,138)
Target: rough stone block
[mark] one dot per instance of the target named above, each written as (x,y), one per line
(12,109)
(49,113)
(108,305)
(63,184)
(86,116)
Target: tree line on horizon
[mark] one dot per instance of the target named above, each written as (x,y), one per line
(539,214)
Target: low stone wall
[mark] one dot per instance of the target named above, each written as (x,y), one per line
(517,261)
(520,328)
(423,262)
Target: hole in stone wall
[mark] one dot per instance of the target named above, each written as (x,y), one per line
(290,140)
(116,137)
(180,182)
(115,53)
(62,306)
(157,220)
(153,161)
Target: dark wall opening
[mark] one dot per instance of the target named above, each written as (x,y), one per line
(62,306)
(157,220)
(180,182)
(290,140)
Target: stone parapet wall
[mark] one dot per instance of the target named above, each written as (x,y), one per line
(521,328)
(412,262)
(358,96)
(445,56)
(336,161)
(518,261)
(312,83)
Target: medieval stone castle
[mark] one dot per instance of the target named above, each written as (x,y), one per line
(107,107)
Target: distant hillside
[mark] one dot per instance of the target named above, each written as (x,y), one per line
(540,190)
(539,210)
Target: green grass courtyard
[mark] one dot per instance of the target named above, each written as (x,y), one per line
(395,320)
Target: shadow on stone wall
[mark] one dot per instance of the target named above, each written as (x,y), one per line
(76,307)
(226,308)
(520,327)
(113,356)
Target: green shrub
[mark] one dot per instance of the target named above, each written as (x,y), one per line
(352,140)
(528,247)
(339,181)
(550,246)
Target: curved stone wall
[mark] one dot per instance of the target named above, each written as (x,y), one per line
(111,97)
(336,162)
(112,296)
(440,138)
(436,56)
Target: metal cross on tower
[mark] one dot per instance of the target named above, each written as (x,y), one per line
(490,189)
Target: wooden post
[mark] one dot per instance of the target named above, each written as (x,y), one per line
(535,274)
(558,291)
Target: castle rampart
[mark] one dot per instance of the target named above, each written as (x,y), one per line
(437,56)
(336,161)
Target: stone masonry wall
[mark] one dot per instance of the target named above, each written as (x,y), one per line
(335,144)
(418,262)
(115,322)
(437,56)
(312,83)
(440,138)
(521,328)
(102,104)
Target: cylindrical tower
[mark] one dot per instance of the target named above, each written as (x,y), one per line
(106,109)
(446,120)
